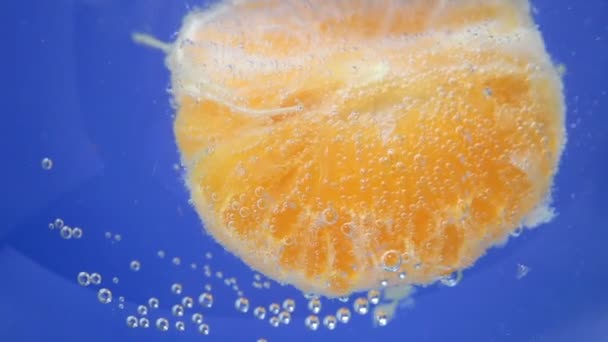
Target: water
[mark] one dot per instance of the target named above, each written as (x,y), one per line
(83,96)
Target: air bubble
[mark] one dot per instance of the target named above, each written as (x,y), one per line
(274,308)
(244,212)
(180,326)
(76,233)
(373,296)
(330,216)
(142,310)
(289,305)
(104,296)
(452,279)
(188,302)
(361,306)
(153,303)
(343,315)
(66,232)
(132,322)
(242,304)
(391,261)
(83,279)
(314,305)
(274,321)
(260,204)
(135,265)
(347,229)
(204,329)
(522,271)
(310,296)
(330,322)
(162,324)
(144,322)
(206,300)
(259,312)
(312,322)
(197,318)
(46,163)
(58,223)
(488,92)
(381,318)
(517,231)
(285,317)
(176,288)
(177,310)
(95,278)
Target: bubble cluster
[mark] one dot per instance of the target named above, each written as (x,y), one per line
(354,173)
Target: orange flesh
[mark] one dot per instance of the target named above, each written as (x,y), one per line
(334,144)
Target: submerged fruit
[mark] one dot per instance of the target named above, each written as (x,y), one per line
(335,144)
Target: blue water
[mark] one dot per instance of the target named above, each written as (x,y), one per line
(77,90)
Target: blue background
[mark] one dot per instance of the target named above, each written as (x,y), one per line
(77,90)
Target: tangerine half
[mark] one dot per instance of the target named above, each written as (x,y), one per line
(333,144)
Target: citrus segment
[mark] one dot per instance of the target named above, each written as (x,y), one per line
(332,144)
